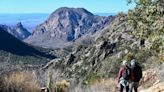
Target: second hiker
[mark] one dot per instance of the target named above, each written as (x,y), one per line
(136,75)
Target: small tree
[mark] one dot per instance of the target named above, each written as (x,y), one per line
(147,21)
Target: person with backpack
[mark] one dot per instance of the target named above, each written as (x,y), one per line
(124,76)
(136,75)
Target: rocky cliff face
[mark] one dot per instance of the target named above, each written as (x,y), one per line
(66,25)
(19,31)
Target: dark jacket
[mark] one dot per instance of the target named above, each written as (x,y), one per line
(136,73)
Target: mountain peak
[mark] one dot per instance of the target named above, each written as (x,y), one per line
(66,25)
(70,9)
(19,25)
(21,31)
(64,10)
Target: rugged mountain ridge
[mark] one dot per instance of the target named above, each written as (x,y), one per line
(103,50)
(18,31)
(66,25)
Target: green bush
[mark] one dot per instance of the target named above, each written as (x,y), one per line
(146,19)
(93,77)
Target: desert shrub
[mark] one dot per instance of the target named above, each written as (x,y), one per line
(110,66)
(22,81)
(93,78)
(161,57)
(62,86)
(129,56)
(54,86)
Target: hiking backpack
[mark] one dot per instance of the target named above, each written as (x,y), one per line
(126,73)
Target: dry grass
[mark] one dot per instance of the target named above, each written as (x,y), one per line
(22,81)
(100,85)
(104,85)
(62,86)
(161,57)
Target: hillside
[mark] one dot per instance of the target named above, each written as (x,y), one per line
(66,25)
(100,60)
(15,53)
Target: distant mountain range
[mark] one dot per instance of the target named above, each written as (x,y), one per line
(65,25)
(61,28)
(17,31)
(30,21)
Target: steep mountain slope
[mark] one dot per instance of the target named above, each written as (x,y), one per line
(102,58)
(65,25)
(14,53)
(98,59)
(19,31)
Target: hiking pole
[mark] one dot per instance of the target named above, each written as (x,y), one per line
(142,83)
(117,87)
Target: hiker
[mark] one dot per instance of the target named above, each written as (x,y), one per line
(124,76)
(136,75)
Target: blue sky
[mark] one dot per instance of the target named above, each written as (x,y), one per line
(48,6)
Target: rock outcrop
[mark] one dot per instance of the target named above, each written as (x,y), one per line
(19,31)
(153,80)
(66,25)
(156,88)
